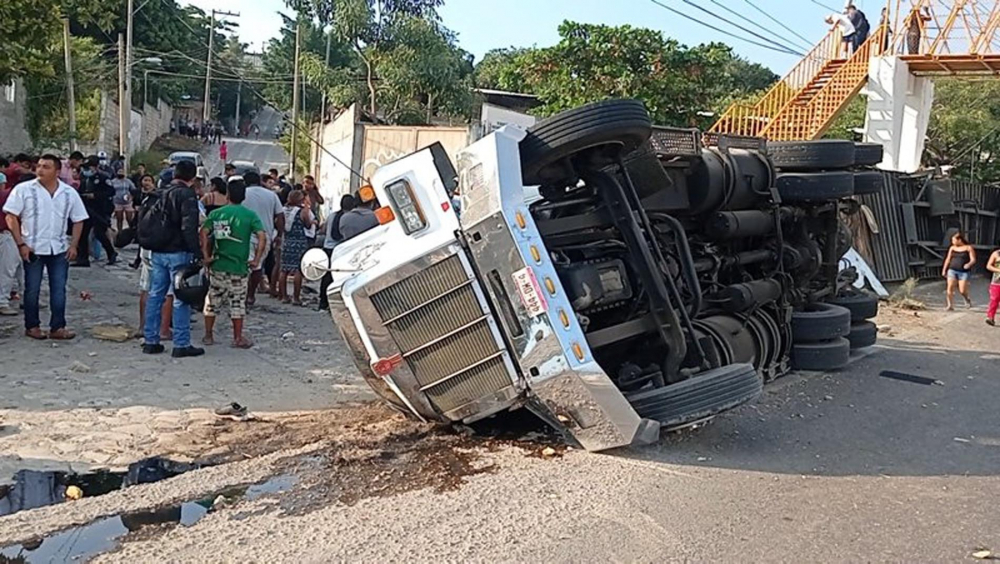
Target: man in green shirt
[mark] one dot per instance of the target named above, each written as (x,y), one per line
(225,241)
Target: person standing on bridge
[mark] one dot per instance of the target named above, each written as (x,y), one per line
(847,30)
(861,25)
(915,23)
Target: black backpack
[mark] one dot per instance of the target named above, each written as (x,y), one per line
(155,226)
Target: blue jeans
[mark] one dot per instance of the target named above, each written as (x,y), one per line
(165,265)
(58,269)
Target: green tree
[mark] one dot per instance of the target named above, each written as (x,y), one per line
(964,129)
(680,85)
(498,70)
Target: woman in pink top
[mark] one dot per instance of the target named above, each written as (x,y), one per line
(223,152)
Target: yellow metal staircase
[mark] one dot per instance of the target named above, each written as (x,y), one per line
(806,101)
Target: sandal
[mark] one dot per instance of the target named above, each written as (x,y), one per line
(242,344)
(62,334)
(36,333)
(208,340)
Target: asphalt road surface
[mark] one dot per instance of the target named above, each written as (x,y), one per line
(265,152)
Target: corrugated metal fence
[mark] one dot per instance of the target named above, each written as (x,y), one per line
(917,214)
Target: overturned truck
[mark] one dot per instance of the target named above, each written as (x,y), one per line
(612,277)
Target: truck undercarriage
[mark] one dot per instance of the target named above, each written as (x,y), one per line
(657,277)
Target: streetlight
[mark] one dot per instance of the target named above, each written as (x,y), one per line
(145,76)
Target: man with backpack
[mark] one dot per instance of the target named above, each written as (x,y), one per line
(169,227)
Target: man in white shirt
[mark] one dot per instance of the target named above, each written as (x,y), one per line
(847,30)
(37,213)
(266,204)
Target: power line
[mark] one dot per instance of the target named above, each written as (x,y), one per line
(752,22)
(777,21)
(720,30)
(740,27)
(825,7)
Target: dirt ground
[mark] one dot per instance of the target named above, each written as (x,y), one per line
(848,466)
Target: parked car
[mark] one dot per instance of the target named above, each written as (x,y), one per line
(657,277)
(191,156)
(243,167)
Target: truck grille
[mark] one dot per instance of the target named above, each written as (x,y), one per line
(438,323)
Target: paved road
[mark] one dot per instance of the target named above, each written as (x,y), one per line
(265,152)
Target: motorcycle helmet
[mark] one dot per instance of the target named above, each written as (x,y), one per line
(191,286)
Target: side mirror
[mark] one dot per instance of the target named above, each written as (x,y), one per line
(315,264)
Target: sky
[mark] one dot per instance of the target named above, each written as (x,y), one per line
(482,25)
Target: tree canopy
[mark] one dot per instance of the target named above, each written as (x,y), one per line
(680,85)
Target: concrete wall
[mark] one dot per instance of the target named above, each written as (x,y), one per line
(146,126)
(384,144)
(13,134)
(899,110)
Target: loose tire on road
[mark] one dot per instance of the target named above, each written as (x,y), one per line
(820,322)
(699,397)
(868,182)
(828,355)
(621,124)
(815,186)
(863,334)
(868,154)
(826,154)
(862,305)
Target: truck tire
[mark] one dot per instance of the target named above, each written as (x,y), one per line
(868,182)
(826,154)
(699,397)
(621,124)
(863,334)
(820,322)
(868,154)
(815,186)
(827,355)
(862,305)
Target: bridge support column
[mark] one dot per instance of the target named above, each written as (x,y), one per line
(899,109)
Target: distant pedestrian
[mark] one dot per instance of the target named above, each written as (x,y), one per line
(357,221)
(993,266)
(268,208)
(332,238)
(861,25)
(124,190)
(915,28)
(38,213)
(218,134)
(298,219)
(10,258)
(958,265)
(223,152)
(169,226)
(225,243)
(843,23)
(98,196)
(147,189)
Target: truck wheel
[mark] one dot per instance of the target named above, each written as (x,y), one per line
(820,322)
(699,397)
(868,154)
(862,305)
(863,334)
(815,186)
(826,154)
(868,182)
(610,128)
(828,355)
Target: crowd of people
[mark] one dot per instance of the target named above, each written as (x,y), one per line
(208,132)
(213,245)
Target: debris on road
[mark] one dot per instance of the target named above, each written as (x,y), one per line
(80,367)
(912,378)
(984,555)
(115,333)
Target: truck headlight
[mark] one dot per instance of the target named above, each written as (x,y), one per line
(410,214)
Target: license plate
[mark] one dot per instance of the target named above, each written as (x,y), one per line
(530,292)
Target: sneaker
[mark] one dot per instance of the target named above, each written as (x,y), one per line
(7,310)
(233,410)
(113,259)
(152,349)
(184,352)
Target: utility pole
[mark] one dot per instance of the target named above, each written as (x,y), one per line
(70,93)
(239,93)
(295,102)
(207,113)
(322,105)
(123,111)
(128,85)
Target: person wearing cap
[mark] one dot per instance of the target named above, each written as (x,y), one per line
(98,197)
(10,259)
